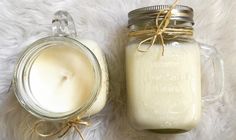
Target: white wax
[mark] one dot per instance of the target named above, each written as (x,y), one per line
(62,79)
(100,102)
(164,92)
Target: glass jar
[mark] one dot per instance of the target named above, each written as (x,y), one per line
(53,69)
(164,80)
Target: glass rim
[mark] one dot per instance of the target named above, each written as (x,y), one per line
(19,79)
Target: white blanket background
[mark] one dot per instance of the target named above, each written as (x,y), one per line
(105,21)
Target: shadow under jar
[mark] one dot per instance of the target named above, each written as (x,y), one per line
(164,80)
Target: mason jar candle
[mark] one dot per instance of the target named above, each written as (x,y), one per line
(61,77)
(163,69)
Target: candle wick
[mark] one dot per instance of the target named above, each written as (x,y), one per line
(64,78)
(66,75)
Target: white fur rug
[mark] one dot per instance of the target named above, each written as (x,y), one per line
(105,21)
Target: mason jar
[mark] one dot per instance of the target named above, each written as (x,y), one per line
(163,70)
(61,77)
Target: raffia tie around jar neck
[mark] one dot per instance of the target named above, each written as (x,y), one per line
(171,22)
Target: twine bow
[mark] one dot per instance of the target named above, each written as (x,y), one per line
(161,30)
(62,130)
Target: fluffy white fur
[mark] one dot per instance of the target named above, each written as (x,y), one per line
(105,21)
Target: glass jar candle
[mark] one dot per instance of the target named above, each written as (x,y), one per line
(163,69)
(60,77)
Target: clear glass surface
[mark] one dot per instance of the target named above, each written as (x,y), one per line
(21,78)
(64,31)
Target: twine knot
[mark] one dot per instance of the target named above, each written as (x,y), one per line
(161,30)
(62,131)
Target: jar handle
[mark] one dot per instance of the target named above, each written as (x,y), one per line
(213,57)
(63,24)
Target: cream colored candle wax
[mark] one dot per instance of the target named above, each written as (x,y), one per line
(61,79)
(163,69)
(164,92)
(103,91)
